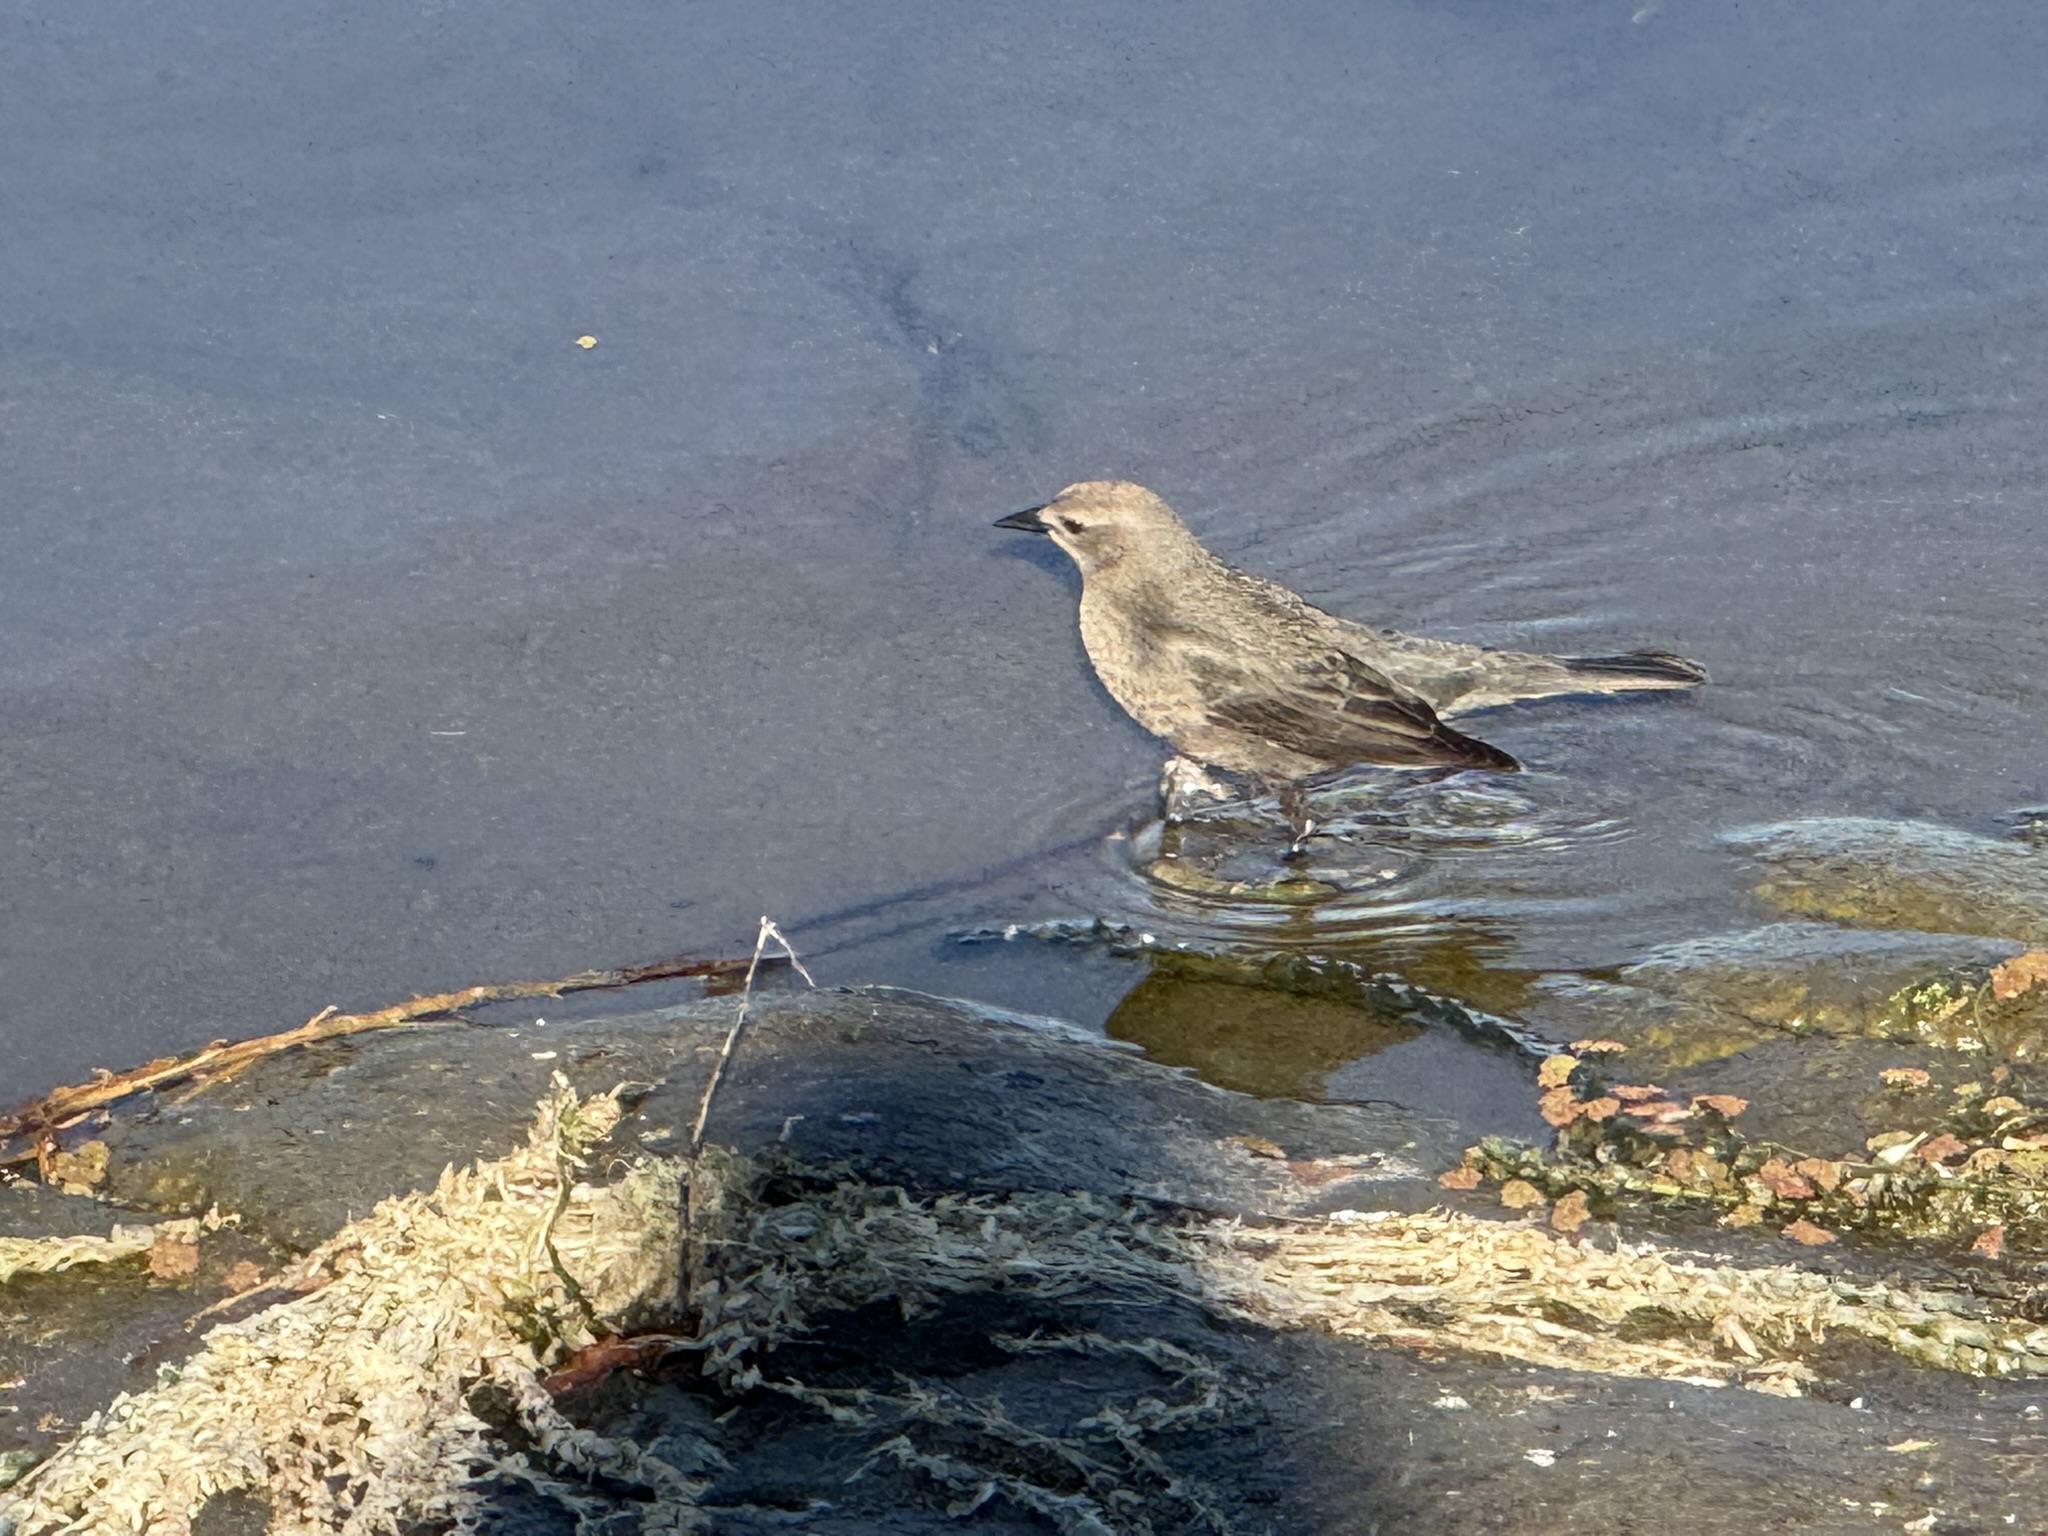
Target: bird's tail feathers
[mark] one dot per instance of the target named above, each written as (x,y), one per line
(1637,669)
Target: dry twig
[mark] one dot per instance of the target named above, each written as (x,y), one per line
(739,1022)
(25,1133)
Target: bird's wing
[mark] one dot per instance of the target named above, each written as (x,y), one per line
(1325,703)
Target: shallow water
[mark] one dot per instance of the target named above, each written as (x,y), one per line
(1864,666)
(360,633)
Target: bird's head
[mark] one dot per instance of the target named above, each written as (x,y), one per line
(1099,522)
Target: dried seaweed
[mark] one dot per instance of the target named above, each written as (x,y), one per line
(1447,1281)
(355,1408)
(48,1255)
(350,1408)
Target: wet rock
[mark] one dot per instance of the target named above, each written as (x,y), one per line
(1442,982)
(1802,1020)
(1125,1386)
(901,1085)
(919,1093)
(1733,966)
(1707,998)
(895,1086)
(1901,874)
(104,1322)
(32,1210)
(1803,977)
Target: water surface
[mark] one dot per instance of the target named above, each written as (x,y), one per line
(360,633)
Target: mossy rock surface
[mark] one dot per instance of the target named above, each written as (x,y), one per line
(1901,874)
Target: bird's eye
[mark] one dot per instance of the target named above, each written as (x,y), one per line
(1070,524)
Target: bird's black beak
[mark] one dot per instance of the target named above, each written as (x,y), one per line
(1027,521)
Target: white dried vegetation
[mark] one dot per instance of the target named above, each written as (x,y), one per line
(51,1255)
(349,1408)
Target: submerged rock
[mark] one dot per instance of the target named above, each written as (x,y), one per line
(1707,998)
(1802,976)
(1256,1039)
(1901,874)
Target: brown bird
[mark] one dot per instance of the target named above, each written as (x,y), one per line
(1241,674)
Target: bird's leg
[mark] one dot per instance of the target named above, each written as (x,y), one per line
(1294,806)
(1182,780)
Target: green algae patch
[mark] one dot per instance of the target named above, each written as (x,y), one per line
(1901,874)
(2004,1013)
(1254,1039)
(1422,993)
(1692,1004)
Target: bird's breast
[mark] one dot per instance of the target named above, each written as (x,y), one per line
(1140,654)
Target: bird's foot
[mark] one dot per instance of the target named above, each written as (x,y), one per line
(1294,806)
